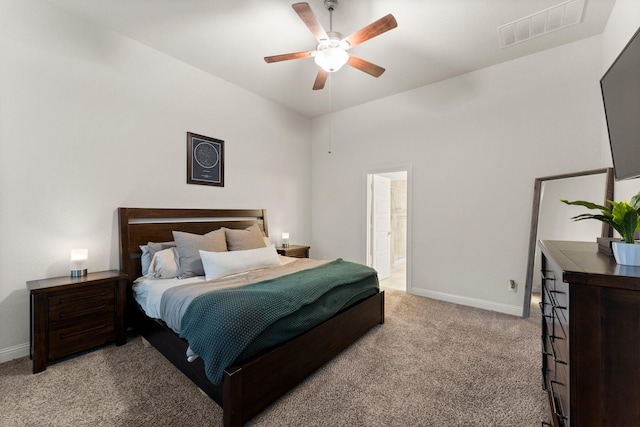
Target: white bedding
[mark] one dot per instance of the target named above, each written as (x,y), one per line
(148,292)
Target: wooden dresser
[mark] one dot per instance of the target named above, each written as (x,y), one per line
(72,314)
(590,336)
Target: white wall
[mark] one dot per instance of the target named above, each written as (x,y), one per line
(621,26)
(476,143)
(90,121)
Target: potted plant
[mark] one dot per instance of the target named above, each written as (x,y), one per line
(624,217)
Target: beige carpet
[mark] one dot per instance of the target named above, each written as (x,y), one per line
(431,364)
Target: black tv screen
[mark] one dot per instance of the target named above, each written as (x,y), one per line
(620,87)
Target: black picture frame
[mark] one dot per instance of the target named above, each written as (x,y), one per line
(205,160)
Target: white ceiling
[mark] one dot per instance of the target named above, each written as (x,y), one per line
(435,40)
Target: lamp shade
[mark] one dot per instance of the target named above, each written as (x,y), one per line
(79,259)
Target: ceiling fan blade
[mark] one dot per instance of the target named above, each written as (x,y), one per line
(366,66)
(309,18)
(372,30)
(321,79)
(288,56)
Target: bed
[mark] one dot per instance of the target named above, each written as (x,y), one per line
(248,387)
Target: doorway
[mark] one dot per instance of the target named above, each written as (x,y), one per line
(388,226)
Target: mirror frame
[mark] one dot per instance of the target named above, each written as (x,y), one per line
(607,231)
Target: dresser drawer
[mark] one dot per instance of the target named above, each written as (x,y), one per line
(69,337)
(561,390)
(92,302)
(561,299)
(548,363)
(547,303)
(559,403)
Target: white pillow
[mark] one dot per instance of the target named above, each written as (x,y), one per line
(219,264)
(164,264)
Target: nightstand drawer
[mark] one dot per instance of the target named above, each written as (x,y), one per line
(294,251)
(297,253)
(70,337)
(90,302)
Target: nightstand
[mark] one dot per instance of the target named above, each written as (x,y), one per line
(294,251)
(73,314)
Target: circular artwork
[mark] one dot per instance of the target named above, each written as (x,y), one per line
(206,155)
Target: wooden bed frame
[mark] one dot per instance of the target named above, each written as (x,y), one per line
(249,387)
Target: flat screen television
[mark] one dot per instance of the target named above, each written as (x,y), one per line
(620,87)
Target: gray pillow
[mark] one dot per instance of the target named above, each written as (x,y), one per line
(149,250)
(188,246)
(240,240)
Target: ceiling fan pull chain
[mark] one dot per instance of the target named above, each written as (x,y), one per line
(330,114)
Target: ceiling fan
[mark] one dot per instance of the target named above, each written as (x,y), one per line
(331,53)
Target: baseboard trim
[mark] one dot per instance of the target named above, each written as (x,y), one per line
(14,352)
(514,310)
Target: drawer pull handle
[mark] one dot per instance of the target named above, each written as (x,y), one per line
(82,312)
(64,301)
(73,334)
(547,275)
(545,371)
(545,352)
(542,310)
(542,304)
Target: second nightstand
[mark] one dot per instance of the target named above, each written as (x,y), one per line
(72,314)
(295,251)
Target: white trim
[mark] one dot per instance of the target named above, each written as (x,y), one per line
(14,352)
(515,310)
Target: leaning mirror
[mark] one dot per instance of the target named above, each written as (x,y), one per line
(550,219)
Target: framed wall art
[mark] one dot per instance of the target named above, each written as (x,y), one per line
(205,160)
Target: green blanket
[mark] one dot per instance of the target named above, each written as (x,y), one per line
(227,325)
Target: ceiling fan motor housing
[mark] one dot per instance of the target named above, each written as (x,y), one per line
(330,4)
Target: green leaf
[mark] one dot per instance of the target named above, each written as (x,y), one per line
(603,218)
(620,210)
(587,205)
(635,201)
(629,225)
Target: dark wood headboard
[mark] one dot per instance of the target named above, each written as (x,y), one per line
(138,226)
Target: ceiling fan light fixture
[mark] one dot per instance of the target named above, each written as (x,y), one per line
(331,59)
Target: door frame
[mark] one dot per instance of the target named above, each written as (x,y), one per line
(409,241)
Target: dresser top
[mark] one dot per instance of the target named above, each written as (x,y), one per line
(582,263)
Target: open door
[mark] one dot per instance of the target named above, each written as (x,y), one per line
(381,225)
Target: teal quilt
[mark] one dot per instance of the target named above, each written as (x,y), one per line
(231,325)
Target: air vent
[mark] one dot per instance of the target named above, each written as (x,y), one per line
(538,24)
